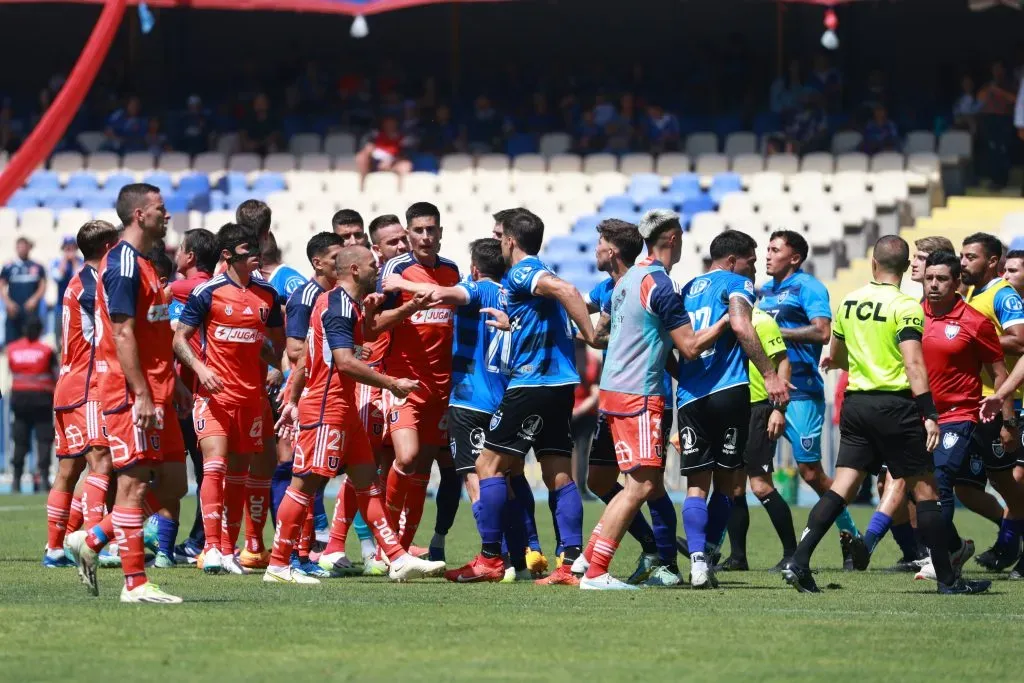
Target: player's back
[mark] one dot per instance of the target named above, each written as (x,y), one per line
(179,291)
(793,303)
(128,286)
(871,321)
(999,302)
(285,280)
(328,392)
(77,341)
(299,308)
(706,299)
(420,347)
(543,351)
(231,321)
(480,353)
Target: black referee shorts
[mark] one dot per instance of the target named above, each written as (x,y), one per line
(883,427)
(759,455)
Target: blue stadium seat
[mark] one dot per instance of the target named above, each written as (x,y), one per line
(22,199)
(697,205)
(199,202)
(43,180)
(115,181)
(233,199)
(643,185)
(660,202)
(685,186)
(1017,243)
(522,143)
(618,203)
(216,199)
(82,180)
(575,270)
(269,182)
(723,184)
(234,183)
(60,200)
(161,179)
(586,224)
(425,162)
(585,283)
(98,201)
(194,184)
(175,202)
(622,214)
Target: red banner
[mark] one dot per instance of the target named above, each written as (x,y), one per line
(349,7)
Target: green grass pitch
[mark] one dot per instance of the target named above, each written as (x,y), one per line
(875,627)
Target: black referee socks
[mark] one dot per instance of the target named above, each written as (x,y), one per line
(823,516)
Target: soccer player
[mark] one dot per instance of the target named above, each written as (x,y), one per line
(877,337)
(284,279)
(999,302)
(77,428)
(234,312)
(767,424)
(647,316)
(958,343)
(195,261)
(618,247)
(330,433)
(713,395)
(536,409)
(348,224)
(799,303)
(136,385)
(420,348)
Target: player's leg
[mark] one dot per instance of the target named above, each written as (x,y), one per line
(466,430)
(1012,525)
(193,545)
(431,420)
(211,497)
(641,484)
(58,509)
(758,459)
(447,497)
(170,487)
(282,476)
(489,510)
(402,476)
(779,513)
(291,516)
(128,519)
(345,509)
(257,495)
(96,485)
(521,490)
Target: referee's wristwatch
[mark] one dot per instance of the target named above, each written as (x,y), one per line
(781,407)
(1011,422)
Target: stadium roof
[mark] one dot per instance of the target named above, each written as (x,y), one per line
(350,7)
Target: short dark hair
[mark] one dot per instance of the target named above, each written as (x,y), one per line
(93,238)
(162,263)
(794,241)
(892,253)
(322,241)
(269,251)
(1014,253)
(231,235)
(623,236)
(203,244)
(422,210)
(526,228)
(732,243)
(254,214)
(347,217)
(131,197)
(382,222)
(990,243)
(505,214)
(944,258)
(485,254)
(33,328)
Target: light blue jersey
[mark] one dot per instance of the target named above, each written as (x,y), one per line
(795,302)
(543,352)
(601,296)
(480,353)
(285,280)
(724,365)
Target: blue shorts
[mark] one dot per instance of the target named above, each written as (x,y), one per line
(804,420)
(960,452)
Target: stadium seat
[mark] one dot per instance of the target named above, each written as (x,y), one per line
(279,162)
(529,163)
(696,205)
(58,201)
(493,183)
(314,162)
(599,163)
(848,184)
(8,222)
(618,203)
(235,182)
(82,180)
(822,162)
(586,224)
(380,185)
(138,162)
(527,183)
(806,183)
(570,184)
(657,202)
(193,184)
(852,161)
(955,145)
(919,141)
(115,181)
(67,162)
(565,163)
(42,180)
(765,184)
(244,163)
(637,162)
(305,143)
(91,140)
(711,164)
(493,162)
(268,181)
(340,144)
(36,219)
(846,141)
(575,206)
(644,185)
(419,183)
(701,143)
(420,162)
(740,143)
(723,184)
(161,179)
(456,163)
(786,164)
(924,163)
(174,162)
(98,201)
(213,220)
(774,204)
(672,163)
(704,226)
(69,221)
(735,203)
(887,161)
(552,144)
(176,203)
(284,202)
(747,164)
(209,162)
(103,162)
(108,215)
(685,186)
(608,183)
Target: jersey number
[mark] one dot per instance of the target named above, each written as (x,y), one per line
(701,320)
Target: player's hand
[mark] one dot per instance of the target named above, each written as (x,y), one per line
(778,389)
(402,387)
(776,425)
(275,378)
(990,407)
(287,424)
(393,283)
(423,300)
(826,364)
(362,353)
(372,304)
(1009,438)
(145,411)
(500,319)
(209,379)
(182,399)
(931,428)
(13,309)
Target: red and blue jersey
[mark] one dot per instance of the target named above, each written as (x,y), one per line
(336,322)
(78,341)
(299,308)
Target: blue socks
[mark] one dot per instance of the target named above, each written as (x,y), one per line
(166,534)
(493,496)
(663,523)
(719,511)
(528,506)
(1009,533)
(515,534)
(569,519)
(638,528)
(278,485)
(906,539)
(449,491)
(695,523)
(878,527)
(362,528)
(320,522)
(845,523)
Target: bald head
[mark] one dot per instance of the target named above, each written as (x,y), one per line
(356,264)
(892,254)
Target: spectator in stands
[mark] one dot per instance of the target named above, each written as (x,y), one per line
(126,128)
(967,106)
(195,131)
(539,120)
(10,127)
(875,95)
(786,94)
(995,124)
(156,141)
(33,379)
(383,152)
(22,285)
(807,130)
(880,133)
(589,136)
(412,128)
(260,131)
(827,80)
(662,130)
(484,131)
(604,110)
(62,269)
(621,130)
(441,136)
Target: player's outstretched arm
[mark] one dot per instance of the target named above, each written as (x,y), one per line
(386,320)
(740,312)
(451,296)
(345,360)
(838,358)
(128,356)
(564,293)
(209,379)
(602,330)
(817,332)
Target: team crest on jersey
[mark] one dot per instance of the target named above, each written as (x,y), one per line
(1014,303)
(495,421)
(997,449)
(393,417)
(952,330)
(531,426)
(476,438)
(154,441)
(688,440)
(228,310)
(699,286)
(976,465)
(730,440)
(264,312)
(293,283)
(452,447)
(521,275)
(200,424)
(949,439)
(623,453)
(782,296)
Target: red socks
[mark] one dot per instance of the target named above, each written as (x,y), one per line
(371,505)
(306,535)
(211,497)
(414,501)
(344,512)
(77,518)
(590,544)
(58,510)
(234,508)
(601,556)
(257,502)
(290,516)
(94,498)
(398,487)
(100,534)
(128,529)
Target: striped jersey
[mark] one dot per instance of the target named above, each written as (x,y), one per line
(336,322)
(480,353)
(78,348)
(299,308)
